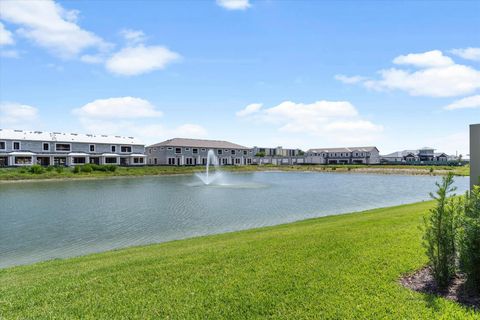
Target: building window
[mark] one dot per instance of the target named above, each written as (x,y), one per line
(149,151)
(16,145)
(59,161)
(110,160)
(162,148)
(113,148)
(189,161)
(79,160)
(219,151)
(2,145)
(171,161)
(187,149)
(169,148)
(125,149)
(194,151)
(92,148)
(178,150)
(203,149)
(233,152)
(23,160)
(141,160)
(62,147)
(46,146)
(244,152)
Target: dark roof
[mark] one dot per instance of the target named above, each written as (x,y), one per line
(198,143)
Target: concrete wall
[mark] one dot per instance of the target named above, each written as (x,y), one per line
(474,154)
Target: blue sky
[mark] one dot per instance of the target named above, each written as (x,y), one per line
(399,75)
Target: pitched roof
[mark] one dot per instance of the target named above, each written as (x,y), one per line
(198,143)
(23,135)
(400,154)
(348,149)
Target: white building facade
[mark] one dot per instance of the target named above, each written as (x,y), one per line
(25,148)
(350,155)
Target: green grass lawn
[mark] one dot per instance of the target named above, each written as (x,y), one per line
(338,267)
(67,173)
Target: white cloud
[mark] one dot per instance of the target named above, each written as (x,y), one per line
(234,4)
(49,25)
(16,114)
(118,108)
(9,54)
(349,80)
(467,53)
(141,59)
(468,102)
(6,37)
(434,58)
(250,109)
(133,37)
(333,120)
(438,76)
(93,58)
(129,116)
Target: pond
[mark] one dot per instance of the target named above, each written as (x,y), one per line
(58,219)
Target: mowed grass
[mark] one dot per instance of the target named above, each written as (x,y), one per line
(337,267)
(11,174)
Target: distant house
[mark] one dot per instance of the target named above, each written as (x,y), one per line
(424,155)
(350,155)
(191,152)
(24,148)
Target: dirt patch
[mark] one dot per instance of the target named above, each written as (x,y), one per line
(422,281)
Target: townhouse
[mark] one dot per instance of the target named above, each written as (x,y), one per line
(350,155)
(191,152)
(25,148)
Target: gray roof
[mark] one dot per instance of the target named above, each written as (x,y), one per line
(198,143)
(24,135)
(400,154)
(347,149)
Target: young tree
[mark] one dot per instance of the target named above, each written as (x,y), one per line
(469,239)
(439,237)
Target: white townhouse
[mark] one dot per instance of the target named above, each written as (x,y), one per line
(350,155)
(24,148)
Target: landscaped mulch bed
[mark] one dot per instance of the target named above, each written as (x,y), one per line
(422,281)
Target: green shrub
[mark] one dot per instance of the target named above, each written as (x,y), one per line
(59,169)
(49,168)
(86,168)
(439,237)
(76,169)
(469,238)
(111,167)
(36,169)
(431,170)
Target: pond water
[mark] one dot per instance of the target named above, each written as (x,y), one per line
(58,219)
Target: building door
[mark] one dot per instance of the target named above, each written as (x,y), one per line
(3,161)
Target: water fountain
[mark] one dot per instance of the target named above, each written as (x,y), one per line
(212,159)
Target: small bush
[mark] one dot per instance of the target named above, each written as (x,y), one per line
(76,169)
(111,167)
(59,169)
(87,168)
(49,168)
(431,170)
(469,238)
(440,231)
(36,169)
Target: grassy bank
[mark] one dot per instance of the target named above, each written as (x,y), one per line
(67,173)
(338,267)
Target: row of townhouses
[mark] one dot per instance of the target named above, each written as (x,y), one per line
(20,148)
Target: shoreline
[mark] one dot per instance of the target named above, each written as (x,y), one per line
(320,169)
